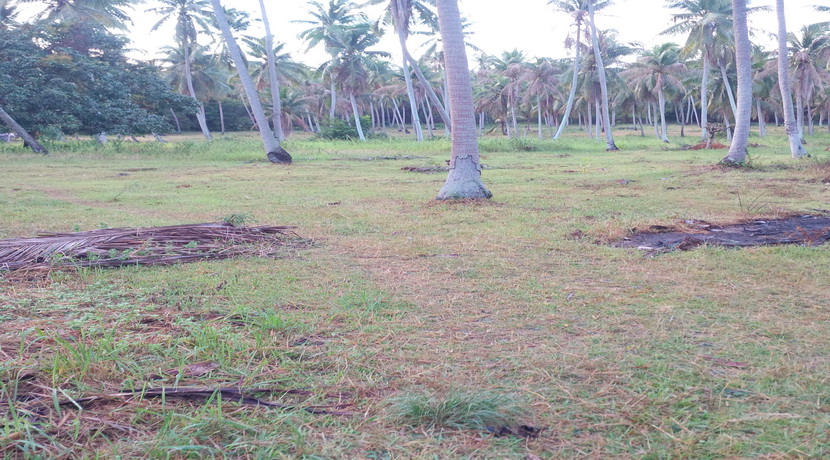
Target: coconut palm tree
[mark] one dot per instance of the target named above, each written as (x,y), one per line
(108,13)
(743,57)
(464,179)
(542,79)
(593,5)
(325,24)
(796,147)
(8,14)
(190,16)
(656,71)
(272,74)
(807,55)
(273,150)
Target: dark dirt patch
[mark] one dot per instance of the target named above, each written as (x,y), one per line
(426,169)
(405,157)
(808,230)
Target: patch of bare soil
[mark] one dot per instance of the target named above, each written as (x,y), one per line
(808,230)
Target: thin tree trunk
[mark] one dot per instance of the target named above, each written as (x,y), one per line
(598,118)
(276,103)
(574,81)
(704,95)
(729,92)
(176,119)
(273,150)
(413,103)
(539,115)
(221,117)
(356,113)
(603,84)
(662,101)
(427,116)
(762,124)
(634,117)
(810,118)
(464,179)
(428,88)
(743,58)
(589,128)
(28,140)
(188,76)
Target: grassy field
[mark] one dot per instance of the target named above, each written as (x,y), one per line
(438,323)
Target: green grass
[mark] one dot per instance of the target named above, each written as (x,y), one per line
(402,298)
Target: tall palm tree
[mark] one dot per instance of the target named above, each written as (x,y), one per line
(656,71)
(808,53)
(273,150)
(593,5)
(579,10)
(326,20)
(190,16)
(796,147)
(464,179)
(743,57)
(542,78)
(272,74)
(108,13)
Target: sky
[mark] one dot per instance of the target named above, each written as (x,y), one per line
(531,26)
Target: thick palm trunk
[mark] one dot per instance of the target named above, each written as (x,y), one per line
(603,84)
(188,77)
(276,103)
(662,101)
(574,82)
(413,103)
(356,114)
(729,92)
(704,96)
(464,179)
(273,150)
(743,116)
(28,140)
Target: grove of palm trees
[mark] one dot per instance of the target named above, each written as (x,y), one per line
(417,248)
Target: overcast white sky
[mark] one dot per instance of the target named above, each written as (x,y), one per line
(532,26)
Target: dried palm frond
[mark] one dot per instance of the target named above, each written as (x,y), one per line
(115,247)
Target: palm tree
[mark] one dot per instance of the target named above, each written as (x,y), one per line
(594,5)
(8,14)
(542,78)
(743,56)
(579,9)
(512,65)
(464,179)
(272,74)
(108,13)
(190,17)
(807,55)
(326,20)
(796,147)
(656,71)
(348,69)
(272,146)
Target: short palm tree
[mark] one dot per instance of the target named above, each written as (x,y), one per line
(807,55)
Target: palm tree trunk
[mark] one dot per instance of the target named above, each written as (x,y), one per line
(603,84)
(333,109)
(574,81)
(176,120)
(275,153)
(704,96)
(762,124)
(221,117)
(356,113)
(427,86)
(276,103)
(598,111)
(28,140)
(662,101)
(464,179)
(188,76)
(743,57)
(729,92)
(413,103)
(539,115)
(512,101)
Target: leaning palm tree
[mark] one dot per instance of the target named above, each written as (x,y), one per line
(656,71)
(464,180)
(796,147)
(743,57)
(190,17)
(594,5)
(273,150)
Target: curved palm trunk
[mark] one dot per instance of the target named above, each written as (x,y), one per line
(413,104)
(464,180)
(356,114)
(796,147)
(743,116)
(276,103)
(603,84)
(28,140)
(188,77)
(574,82)
(729,92)
(704,96)
(275,153)
(444,112)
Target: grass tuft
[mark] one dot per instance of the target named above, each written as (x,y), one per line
(460,410)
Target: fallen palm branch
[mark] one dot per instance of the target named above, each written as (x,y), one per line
(117,247)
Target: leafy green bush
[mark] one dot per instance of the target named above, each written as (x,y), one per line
(339,129)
